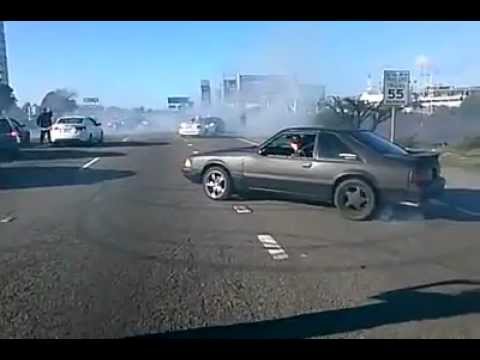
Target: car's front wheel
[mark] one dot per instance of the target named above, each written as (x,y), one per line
(217,183)
(355,199)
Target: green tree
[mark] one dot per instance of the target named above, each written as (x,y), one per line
(7,98)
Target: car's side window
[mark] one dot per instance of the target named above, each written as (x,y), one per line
(331,147)
(291,145)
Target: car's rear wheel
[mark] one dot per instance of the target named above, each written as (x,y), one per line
(217,183)
(355,199)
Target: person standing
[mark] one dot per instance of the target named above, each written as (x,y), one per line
(44,122)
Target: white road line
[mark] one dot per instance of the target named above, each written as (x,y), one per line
(7,219)
(194,152)
(276,251)
(90,163)
(125,139)
(266,239)
(248,141)
(273,248)
(189,144)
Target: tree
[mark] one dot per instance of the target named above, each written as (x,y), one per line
(7,99)
(60,101)
(355,113)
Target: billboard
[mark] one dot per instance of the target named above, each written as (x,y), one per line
(179,102)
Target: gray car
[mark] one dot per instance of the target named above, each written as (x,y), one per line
(355,170)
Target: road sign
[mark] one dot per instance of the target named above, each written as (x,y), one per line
(396,86)
(90,100)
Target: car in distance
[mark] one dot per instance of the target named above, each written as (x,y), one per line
(81,129)
(355,170)
(199,126)
(9,141)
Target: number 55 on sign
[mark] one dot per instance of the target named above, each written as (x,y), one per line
(396,87)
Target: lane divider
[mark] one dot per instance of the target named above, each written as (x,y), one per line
(242,209)
(7,219)
(90,163)
(125,139)
(273,248)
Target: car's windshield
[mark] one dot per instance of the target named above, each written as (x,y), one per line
(70,121)
(378,143)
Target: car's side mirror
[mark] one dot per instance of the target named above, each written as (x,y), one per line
(98,124)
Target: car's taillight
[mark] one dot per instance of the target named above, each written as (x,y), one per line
(14,134)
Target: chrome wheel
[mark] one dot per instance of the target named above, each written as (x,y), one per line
(355,199)
(217,183)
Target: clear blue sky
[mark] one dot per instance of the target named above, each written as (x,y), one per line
(142,63)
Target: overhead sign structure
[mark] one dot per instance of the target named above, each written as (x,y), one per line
(396,86)
(396,91)
(91,100)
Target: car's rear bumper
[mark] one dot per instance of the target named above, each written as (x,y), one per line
(192,175)
(56,137)
(418,195)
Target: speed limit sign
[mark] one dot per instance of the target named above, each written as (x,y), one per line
(396,84)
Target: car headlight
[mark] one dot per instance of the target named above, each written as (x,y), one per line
(188,163)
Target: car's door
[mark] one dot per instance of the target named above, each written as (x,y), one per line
(274,168)
(333,157)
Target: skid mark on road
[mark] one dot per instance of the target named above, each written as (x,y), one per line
(90,163)
(273,248)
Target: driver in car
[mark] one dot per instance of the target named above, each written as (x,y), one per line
(296,143)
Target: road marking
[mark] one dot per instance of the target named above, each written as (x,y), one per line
(273,248)
(7,219)
(189,144)
(242,209)
(248,141)
(125,139)
(90,163)
(194,152)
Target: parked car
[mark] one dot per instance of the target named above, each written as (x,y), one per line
(23,134)
(81,129)
(9,140)
(355,170)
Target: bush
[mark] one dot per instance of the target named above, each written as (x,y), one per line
(470,143)
(409,141)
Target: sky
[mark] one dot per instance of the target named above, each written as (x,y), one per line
(133,64)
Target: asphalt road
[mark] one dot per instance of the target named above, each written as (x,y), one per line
(112,241)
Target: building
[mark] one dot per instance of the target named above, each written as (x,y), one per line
(206,93)
(179,103)
(3,56)
(262,91)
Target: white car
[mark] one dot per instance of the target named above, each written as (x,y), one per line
(77,129)
(198,127)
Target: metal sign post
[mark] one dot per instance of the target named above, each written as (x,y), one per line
(392,125)
(396,86)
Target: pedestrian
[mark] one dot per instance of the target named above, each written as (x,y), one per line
(44,122)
